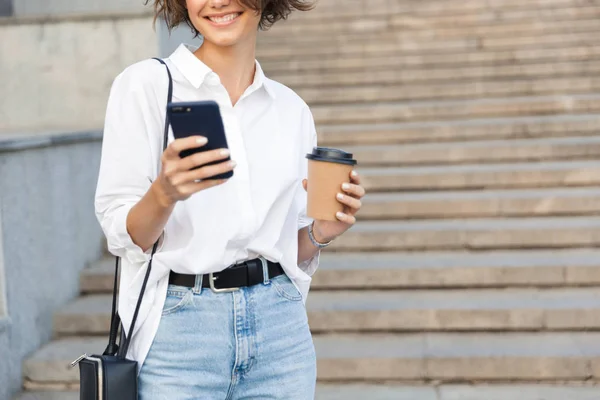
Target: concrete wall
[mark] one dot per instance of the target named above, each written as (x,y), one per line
(61,7)
(169,42)
(55,75)
(3,307)
(49,235)
(6,8)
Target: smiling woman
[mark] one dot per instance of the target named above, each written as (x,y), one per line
(223,316)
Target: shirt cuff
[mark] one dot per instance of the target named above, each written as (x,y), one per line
(311,265)
(120,242)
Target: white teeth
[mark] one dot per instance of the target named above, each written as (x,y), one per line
(224,18)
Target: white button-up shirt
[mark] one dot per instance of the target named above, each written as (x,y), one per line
(257,212)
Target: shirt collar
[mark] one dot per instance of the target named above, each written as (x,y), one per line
(189,65)
(195,71)
(261,80)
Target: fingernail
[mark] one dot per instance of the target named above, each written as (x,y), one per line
(345,186)
(232,163)
(202,140)
(354,173)
(224,152)
(340,214)
(340,196)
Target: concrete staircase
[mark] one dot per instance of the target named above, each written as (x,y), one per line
(474,271)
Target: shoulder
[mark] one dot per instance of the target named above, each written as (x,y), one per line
(297,112)
(144,77)
(287,96)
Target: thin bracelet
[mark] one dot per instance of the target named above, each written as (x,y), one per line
(313,240)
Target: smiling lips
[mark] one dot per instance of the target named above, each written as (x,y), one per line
(224,19)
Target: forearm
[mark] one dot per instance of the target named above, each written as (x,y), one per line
(147,219)
(306,249)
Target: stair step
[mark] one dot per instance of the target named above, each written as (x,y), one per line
(539,268)
(433,60)
(415,78)
(386,7)
(459,130)
(413,111)
(99,277)
(458,269)
(374,392)
(430,8)
(422,310)
(48,395)
(376,28)
(490,17)
(459,357)
(474,204)
(340,391)
(50,364)
(449,91)
(87,315)
(383,46)
(473,234)
(457,392)
(482,176)
(350,20)
(462,310)
(376,357)
(484,151)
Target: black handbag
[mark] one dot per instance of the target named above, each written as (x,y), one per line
(111,376)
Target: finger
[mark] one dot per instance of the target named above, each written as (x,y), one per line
(173,166)
(305,184)
(349,219)
(354,204)
(208,171)
(203,158)
(354,177)
(353,190)
(179,145)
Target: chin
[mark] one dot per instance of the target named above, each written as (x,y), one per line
(223,40)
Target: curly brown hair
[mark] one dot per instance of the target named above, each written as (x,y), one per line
(174,12)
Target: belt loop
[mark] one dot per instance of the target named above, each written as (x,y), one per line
(265,268)
(198,285)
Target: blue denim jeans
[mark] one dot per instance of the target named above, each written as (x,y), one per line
(251,344)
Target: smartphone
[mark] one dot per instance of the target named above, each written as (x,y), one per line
(201,118)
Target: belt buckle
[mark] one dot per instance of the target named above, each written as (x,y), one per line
(211,282)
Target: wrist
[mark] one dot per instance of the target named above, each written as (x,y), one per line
(160,196)
(318,234)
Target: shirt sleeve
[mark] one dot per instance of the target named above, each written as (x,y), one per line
(311,265)
(131,147)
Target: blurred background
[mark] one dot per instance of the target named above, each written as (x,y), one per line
(473,272)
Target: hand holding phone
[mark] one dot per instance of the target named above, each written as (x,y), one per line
(199,118)
(199,157)
(181,177)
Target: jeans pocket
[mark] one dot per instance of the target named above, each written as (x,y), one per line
(177,298)
(286,288)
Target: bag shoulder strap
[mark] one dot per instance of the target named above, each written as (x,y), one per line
(115,320)
(169,100)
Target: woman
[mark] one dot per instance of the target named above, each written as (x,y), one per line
(223,315)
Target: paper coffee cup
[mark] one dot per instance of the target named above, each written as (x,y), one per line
(327,170)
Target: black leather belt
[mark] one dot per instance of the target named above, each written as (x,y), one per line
(247,273)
